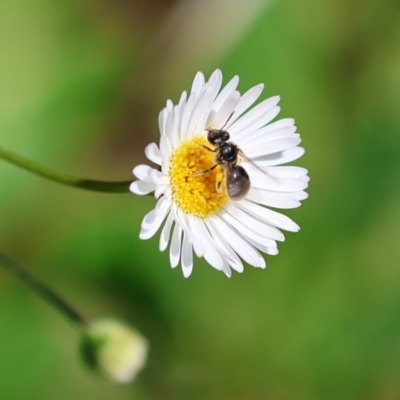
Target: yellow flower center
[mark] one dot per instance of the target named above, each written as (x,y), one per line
(195,192)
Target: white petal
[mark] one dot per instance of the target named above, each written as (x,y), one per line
(142,172)
(227,271)
(247,232)
(275,130)
(153,153)
(162,120)
(182,100)
(272,147)
(272,251)
(150,218)
(243,248)
(175,248)
(153,220)
(281,157)
(268,182)
(169,105)
(168,124)
(281,123)
(160,189)
(225,92)
(271,217)
(198,83)
(260,138)
(216,79)
(166,233)
(187,256)
(278,172)
(193,224)
(260,122)
(174,127)
(232,259)
(221,117)
(180,218)
(215,82)
(187,114)
(202,121)
(182,105)
(141,188)
(168,195)
(256,223)
(147,233)
(158,177)
(246,101)
(300,195)
(165,147)
(287,172)
(161,206)
(165,162)
(200,109)
(253,115)
(211,254)
(273,199)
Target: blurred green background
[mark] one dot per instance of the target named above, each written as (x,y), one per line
(81,85)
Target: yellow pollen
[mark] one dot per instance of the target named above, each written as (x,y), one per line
(202,194)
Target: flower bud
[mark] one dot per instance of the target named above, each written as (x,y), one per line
(113,349)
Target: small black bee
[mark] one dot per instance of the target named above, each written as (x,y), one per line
(237,179)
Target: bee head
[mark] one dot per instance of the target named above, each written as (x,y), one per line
(217,136)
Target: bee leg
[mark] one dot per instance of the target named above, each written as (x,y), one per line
(204,171)
(218,182)
(207,148)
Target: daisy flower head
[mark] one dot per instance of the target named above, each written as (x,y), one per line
(219,172)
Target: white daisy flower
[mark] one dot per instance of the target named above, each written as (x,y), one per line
(196,183)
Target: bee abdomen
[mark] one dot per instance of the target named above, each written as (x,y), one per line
(237,182)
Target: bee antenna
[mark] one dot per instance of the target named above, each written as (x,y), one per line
(226,123)
(229,118)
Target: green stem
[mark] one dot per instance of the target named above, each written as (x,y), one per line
(42,290)
(64,179)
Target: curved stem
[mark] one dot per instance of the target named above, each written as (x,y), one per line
(42,290)
(64,179)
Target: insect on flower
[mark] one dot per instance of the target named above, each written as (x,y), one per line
(220,171)
(237,179)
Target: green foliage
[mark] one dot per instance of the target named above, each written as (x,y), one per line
(322,322)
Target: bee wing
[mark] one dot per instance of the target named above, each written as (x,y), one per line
(241,154)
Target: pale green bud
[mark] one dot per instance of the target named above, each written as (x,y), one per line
(113,349)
